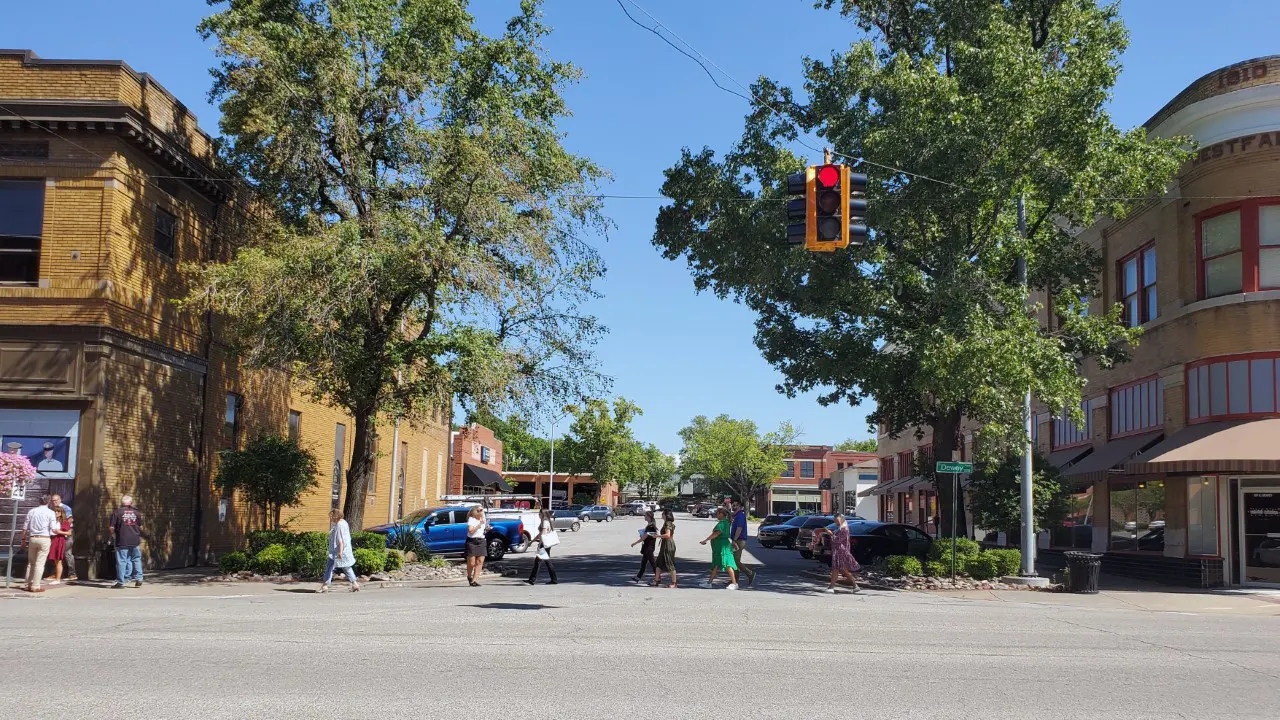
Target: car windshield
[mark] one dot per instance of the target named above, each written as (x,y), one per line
(817,522)
(416,517)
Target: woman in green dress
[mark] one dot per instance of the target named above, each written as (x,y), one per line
(722,550)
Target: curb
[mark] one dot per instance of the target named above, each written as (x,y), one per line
(814,574)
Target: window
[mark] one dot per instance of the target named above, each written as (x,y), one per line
(295,426)
(1238,247)
(166,231)
(790,469)
(806,468)
(904,464)
(404,474)
(1202,516)
(1067,434)
(339,450)
(1137,407)
(886,469)
(440,474)
(1137,516)
(840,466)
(484,455)
(1241,386)
(1138,286)
(373,475)
(231,421)
(1076,528)
(21,225)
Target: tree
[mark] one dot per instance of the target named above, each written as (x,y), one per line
(732,456)
(959,109)
(648,471)
(868,445)
(522,450)
(424,233)
(270,471)
(995,495)
(601,441)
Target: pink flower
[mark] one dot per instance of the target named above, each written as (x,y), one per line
(14,469)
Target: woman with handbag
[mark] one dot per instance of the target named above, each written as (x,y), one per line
(477,526)
(648,536)
(547,539)
(666,560)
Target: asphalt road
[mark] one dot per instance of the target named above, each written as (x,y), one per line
(596,646)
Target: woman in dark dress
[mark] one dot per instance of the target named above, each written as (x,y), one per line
(649,538)
(666,560)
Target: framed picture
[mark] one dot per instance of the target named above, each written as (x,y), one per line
(49,455)
(47,438)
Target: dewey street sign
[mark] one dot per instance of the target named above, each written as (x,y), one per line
(954,467)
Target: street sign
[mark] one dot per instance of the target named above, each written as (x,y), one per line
(954,467)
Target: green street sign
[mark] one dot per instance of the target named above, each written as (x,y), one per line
(954,467)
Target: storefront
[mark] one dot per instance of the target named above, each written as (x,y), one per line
(802,499)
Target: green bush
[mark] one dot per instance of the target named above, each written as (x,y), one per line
(983,567)
(368,541)
(435,561)
(408,539)
(272,560)
(937,568)
(395,560)
(316,543)
(965,547)
(370,561)
(233,562)
(1008,561)
(900,565)
(306,564)
(260,539)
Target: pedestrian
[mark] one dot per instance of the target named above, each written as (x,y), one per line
(647,541)
(341,555)
(842,562)
(69,560)
(58,543)
(721,551)
(547,538)
(666,561)
(739,538)
(126,533)
(476,527)
(37,536)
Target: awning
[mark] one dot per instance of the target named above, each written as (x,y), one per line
(887,487)
(483,477)
(1248,446)
(1107,459)
(1064,459)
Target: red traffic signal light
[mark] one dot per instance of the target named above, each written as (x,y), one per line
(828,176)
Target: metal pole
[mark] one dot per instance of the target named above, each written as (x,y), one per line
(1028,498)
(954,490)
(13,529)
(551,475)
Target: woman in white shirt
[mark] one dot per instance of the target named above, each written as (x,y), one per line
(545,529)
(476,527)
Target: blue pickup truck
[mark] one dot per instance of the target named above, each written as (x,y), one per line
(444,531)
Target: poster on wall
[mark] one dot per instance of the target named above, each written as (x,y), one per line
(48,438)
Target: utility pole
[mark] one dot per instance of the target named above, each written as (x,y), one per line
(1028,498)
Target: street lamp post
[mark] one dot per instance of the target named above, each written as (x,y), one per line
(551,473)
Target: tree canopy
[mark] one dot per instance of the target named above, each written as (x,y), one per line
(424,229)
(850,445)
(271,471)
(995,493)
(601,441)
(955,110)
(732,456)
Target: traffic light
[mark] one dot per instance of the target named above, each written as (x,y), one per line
(823,220)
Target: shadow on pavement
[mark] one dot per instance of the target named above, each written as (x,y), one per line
(512,606)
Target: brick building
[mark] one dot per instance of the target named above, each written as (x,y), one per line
(107,185)
(1176,471)
(475,462)
(801,487)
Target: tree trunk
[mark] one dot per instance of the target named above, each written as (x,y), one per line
(945,428)
(363,452)
(276,515)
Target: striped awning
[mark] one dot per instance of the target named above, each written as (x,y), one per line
(1243,446)
(1110,458)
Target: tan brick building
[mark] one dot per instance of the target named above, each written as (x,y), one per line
(1176,471)
(107,185)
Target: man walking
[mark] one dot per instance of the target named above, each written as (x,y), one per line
(126,532)
(738,533)
(37,536)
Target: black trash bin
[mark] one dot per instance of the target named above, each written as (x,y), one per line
(1084,571)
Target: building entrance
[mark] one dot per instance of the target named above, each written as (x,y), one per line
(1260,534)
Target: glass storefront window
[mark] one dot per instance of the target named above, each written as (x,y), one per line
(1137,516)
(1202,516)
(1076,530)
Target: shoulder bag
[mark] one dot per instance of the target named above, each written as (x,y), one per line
(550,538)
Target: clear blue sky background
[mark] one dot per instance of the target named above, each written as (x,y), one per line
(676,353)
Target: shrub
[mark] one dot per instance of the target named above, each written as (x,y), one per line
(305,563)
(272,560)
(965,547)
(233,562)
(937,568)
(260,539)
(369,561)
(1008,561)
(316,543)
(408,539)
(435,561)
(983,567)
(900,565)
(395,560)
(368,541)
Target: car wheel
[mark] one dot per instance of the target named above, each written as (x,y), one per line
(576,527)
(497,548)
(608,518)
(806,554)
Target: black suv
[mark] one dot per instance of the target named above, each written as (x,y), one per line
(781,535)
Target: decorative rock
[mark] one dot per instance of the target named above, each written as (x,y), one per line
(379,577)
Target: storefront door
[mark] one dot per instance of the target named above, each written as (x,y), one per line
(1260,534)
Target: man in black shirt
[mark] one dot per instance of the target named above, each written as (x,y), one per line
(126,532)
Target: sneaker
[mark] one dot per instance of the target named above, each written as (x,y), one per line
(52,582)
(137,583)
(117,586)
(530,582)
(830,591)
(553,582)
(732,586)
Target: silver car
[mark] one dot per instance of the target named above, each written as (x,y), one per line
(599,513)
(566,520)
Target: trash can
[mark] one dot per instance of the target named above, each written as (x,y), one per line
(1084,569)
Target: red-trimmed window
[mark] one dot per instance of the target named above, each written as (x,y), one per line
(1067,434)
(1235,386)
(1137,407)
(1238,248)
(886,469)
(904,464)
(1137,283)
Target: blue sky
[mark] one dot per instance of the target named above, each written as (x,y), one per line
(676,353)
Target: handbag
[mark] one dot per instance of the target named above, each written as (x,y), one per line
(550,538)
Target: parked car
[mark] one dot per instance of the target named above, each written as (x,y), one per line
(634,507)
(804,536)
(776,519)
(526,508)
(780,535)
(444,531)
(1267,554)
(566,520)
(599,513)
(702,510)
(869,541)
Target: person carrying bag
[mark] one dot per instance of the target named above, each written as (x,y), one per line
(547,538)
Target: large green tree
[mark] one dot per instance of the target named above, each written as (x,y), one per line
(270,471)
(995,490)
(601,441)
(425,233)
(732,456)
(647,471)
(955,109)
(851,445)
